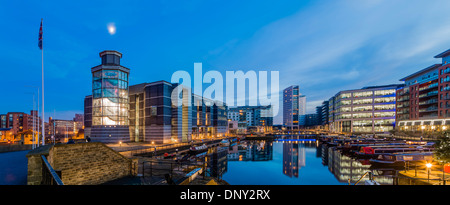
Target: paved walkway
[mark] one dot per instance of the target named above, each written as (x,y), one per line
(435,177)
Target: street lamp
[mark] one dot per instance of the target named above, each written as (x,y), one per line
(428,165)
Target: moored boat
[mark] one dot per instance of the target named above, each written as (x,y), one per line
(399,159)
(198,149)
(224,143)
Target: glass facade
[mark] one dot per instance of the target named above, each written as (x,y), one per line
(368,110)
(110,97)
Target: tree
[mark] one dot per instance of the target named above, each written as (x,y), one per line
(442,148)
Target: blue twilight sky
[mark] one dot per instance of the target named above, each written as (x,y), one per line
(324,45)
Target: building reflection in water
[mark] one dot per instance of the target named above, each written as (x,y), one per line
(251,151)
(294,154)
(344,168)
(217,161)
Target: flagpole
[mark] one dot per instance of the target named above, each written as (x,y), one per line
(43,117)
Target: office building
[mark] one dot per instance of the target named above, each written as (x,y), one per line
(367,110)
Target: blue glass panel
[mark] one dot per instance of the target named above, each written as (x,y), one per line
(110,74)
(108,82)
(110,93)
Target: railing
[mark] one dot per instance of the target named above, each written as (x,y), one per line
(362,177)
(429,86)
(177,169)
(432,93)
(430,109)
(429,102)
(49,175)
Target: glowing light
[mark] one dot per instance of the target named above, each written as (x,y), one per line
(423,127)
(444,128)
(111,28)
(428,165)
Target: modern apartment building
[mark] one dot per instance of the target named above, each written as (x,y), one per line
(424,102)
(291,111)
(253,115)
(367,110)
(19,122)
(209,118)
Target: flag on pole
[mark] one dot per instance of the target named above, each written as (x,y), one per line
(40,36)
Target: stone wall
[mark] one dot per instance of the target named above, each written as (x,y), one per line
(82,164)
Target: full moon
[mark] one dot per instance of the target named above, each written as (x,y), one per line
(111,28)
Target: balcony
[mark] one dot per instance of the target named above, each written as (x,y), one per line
(429,102)
(429,94)
(430,116)
(403,93)
(403,99)
(430,109)
(405,111)
(431,86)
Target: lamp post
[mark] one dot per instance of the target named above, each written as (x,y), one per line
(428,165)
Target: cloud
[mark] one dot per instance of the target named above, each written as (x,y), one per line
(339,45)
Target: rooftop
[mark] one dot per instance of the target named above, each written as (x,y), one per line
(443,54)
(425,70)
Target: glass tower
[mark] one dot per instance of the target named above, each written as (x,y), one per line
(110,98)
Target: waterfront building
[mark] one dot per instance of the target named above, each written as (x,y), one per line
(325,113)
(424,102)
(301,104)
(109,99)
(117,112)
(232,128)
(153,118)
(369,110)
(291,110)
(311,120)
(258,118)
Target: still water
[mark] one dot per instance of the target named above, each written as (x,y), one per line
(294,161)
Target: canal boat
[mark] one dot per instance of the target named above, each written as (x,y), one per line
(399,159)
(374,152)
(198,149)
(224,143)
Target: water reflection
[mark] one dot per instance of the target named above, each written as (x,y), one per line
(347,169)
(251,151)
(291,160)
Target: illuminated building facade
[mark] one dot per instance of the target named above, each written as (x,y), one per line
(424,101)
(152,116)
(291,107)
(110,99)
(368,110)
(257,118)
(209,118)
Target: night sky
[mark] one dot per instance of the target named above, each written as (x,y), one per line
(323,46)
